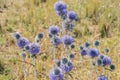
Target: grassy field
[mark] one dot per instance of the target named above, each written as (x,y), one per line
(98,20)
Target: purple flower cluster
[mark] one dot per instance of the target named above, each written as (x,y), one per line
(93,52)
(60,8)
(104,61)
(53,30)
(16,35)
(68,25)
(67,40)
(101,60)
(63,66)
(38,37)
(102,77)
(72,15)
(56,74)
(34,48)
(54,35)
(22,42)
(66,67)
(83,51)
(56,41)
(68,17)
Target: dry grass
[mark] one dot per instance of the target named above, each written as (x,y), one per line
(97,19)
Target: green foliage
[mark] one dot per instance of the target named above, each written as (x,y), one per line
(13,60)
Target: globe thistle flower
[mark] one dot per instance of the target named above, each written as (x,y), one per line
(71,15)
(23,55)
(99,62)
(101,56)
(70,66)
(66,67)
(39,36)
(16,35)
(60,8)
(87,44)
(107,50)
(93,52)
(102,77)
(58,63)
(106,61)
(50,36)
(83,52)
(53,30)
(96,43)
(34,48)
(22,42)
(72,46)
(81,47)
(71,55)
(68,40)
(68,25)
(27,47)
(56,74)
(112,67)
(64,61)
(62,13)
(56,41)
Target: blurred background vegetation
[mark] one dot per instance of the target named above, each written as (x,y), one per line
(98,19)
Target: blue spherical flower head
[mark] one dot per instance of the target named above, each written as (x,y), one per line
(70,66)
(102,77)
(71,55)
(72,46)
(57,62)
(66,67)
(34,48)
(83,52)
(99,62)
(22,42)
(64,61)
(23,55)
(60,6)
(81,47)
(62,13)
(57,40)
(16,35)
(72,15)
(96,43)
(87,44)
(107,50)
(106,61)
(60,9)
(93,52)
(101,56)
(68,25)
(53,30)
(68,40)
(40,35)
(112,67)
(50,36)
(56,74)
(27,47)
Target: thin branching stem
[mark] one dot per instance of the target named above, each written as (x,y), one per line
(35,70)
